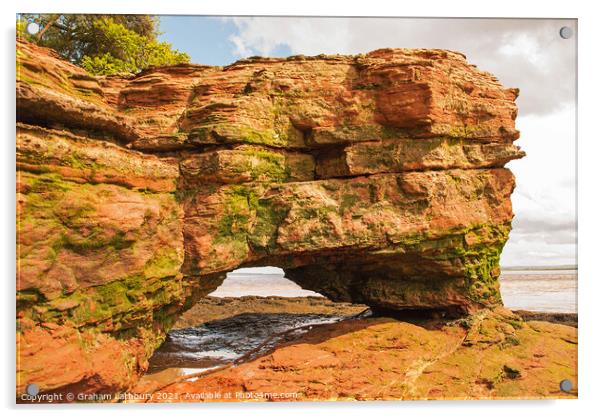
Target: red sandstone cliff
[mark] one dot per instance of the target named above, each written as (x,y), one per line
(374,178)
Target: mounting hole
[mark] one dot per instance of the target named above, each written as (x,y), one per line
(566,385)
(33,28)
(32,389)
(566,32)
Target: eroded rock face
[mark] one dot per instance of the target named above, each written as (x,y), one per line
(375,179)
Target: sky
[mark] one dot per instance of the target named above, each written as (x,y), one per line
(524,53)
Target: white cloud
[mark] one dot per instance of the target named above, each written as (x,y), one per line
(524,45)
(262,35)
(240,47)
(544,228)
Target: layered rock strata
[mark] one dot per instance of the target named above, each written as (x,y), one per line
(374,179)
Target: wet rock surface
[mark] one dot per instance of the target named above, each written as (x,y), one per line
(492,354)
(223,341)
(218,331)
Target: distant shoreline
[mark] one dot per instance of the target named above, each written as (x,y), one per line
(530,268)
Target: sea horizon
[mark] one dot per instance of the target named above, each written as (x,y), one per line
(529,288)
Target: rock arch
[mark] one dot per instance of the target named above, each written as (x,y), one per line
(374,178)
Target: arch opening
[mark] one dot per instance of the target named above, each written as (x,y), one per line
(253,311)
(266,281)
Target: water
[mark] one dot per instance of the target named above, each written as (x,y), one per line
(540,291)
(250,283)
(216,343)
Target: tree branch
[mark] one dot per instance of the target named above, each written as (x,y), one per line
(52,22)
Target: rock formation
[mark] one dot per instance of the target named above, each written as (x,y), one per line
(492,354)
(375,179)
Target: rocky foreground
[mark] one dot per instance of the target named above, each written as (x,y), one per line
(376,179)
(493,354)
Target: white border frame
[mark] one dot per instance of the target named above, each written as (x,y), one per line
(589,208)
